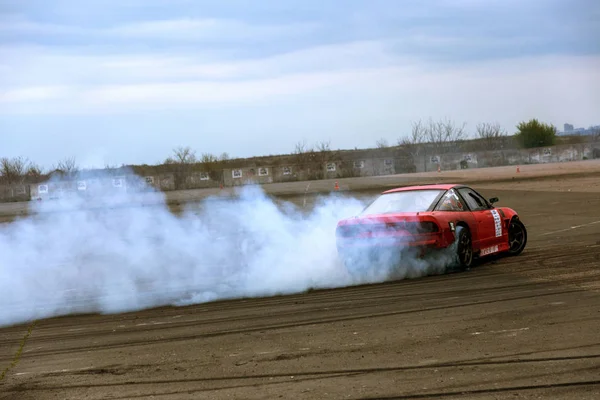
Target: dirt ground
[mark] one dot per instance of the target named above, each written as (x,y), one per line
(512,328)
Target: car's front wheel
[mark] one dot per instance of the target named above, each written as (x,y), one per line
(517,237)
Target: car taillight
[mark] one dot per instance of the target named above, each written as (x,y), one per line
(345,230)
(415,228)
(420,227)
(427,227)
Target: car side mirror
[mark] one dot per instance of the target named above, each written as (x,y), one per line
(493,200)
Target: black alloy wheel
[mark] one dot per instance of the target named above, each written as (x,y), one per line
(517,237)
(464,249)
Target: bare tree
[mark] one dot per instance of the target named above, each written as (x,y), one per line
(207,158)
(444,133)
(224,156)
(212,164)
(13,170)
(382,143)
(34,172)
(181,162)
(414,143)
(182,155)
(18,170)
(595,135)
(490,134)
(439,136)
(302,148)
(417,136)
(67,167)
(323,154)
(324,146)
(303,153)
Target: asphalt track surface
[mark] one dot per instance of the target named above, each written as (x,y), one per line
(511,328)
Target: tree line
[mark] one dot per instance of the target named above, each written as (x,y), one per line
(446,133)
(18,169)
(440,136)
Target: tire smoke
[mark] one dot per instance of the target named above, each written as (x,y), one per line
(115,253)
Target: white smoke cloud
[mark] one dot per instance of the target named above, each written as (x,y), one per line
(117,252)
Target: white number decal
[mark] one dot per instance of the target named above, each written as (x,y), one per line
(497,223)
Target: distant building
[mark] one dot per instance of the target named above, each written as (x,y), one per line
(570,130)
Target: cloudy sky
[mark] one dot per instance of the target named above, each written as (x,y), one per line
(126,81)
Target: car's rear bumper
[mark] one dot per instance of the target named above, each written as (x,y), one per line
(359,253)
(368,243)
(437,240)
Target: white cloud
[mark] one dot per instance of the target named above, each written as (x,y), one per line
(507,90)
(429,42)
(102,82)
(45,80)
(182,95)
(192,92)
(182,30)
(34,94)
(41,66)
(17,24)
(193,29)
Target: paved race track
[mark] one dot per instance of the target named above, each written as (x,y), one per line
(520,328)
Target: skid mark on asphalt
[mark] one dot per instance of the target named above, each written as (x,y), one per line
(265,380)
(509,331)
(378,295)
(55,372)
(576,266)
(336,372)
(571,228)
(338,299)
(463,393)
(316,321)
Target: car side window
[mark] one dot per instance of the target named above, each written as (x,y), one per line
(475,202)
(451,202)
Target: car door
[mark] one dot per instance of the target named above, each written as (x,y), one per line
(455,209)
(487,218)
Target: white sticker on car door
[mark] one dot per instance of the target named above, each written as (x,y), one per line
(497,222)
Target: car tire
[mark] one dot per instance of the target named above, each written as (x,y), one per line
(464,249)
(350,263)
(517,237)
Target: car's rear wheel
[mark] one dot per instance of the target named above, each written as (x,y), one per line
(351,265)
(517,237)
(464,249)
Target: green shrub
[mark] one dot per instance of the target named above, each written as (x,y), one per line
(535,134)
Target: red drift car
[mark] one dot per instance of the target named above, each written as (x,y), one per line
(450,219)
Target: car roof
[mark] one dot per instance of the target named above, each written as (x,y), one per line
(436,186)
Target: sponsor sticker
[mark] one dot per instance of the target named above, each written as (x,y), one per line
(489,250)
(497,223)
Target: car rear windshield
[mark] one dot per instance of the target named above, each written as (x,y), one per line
(398,202)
